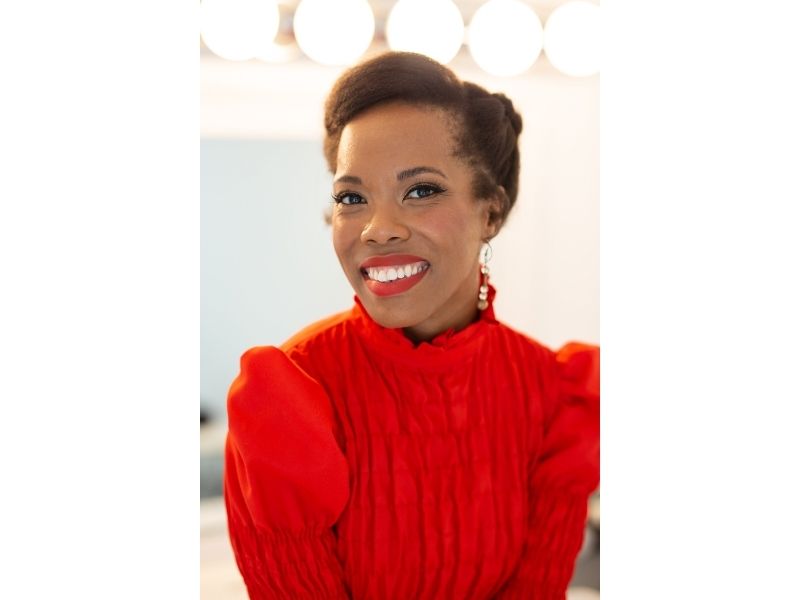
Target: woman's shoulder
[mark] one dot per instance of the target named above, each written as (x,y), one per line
(530,343)
(518,343)
(316,336)
(315,348)
(571,361)
(318,331)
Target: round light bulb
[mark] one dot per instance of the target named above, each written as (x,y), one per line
(434,28)
(505,37)
(238,29)
(572,38)
(334,33)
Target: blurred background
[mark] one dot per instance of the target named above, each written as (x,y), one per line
(267,264)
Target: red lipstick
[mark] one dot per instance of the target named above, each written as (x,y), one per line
(399,285)
(390,260)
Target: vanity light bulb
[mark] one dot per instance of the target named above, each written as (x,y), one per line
(434,28)
(238,29)
(334,33)
(505,37)
(572,38)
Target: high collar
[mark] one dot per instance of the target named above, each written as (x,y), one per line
(440,352)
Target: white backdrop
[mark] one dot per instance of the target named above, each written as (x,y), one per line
(267,265)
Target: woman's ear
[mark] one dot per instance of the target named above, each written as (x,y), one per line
(495,212)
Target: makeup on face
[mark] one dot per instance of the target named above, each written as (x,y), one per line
(407,228)
(387,275)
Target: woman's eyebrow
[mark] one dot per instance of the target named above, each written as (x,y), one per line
(405,174)
(416,171)
(349,179)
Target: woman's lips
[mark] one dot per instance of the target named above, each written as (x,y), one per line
(393,274)
(390,260)
(398,286)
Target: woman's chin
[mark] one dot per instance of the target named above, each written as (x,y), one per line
(391,317)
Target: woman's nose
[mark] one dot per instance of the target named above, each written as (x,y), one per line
(385,225)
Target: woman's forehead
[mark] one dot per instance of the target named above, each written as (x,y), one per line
(399,117)
(397,133)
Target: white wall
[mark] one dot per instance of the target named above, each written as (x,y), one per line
(267,266)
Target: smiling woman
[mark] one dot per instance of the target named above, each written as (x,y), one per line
(413,446)
(409,204)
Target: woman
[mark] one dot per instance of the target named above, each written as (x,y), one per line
(414,446)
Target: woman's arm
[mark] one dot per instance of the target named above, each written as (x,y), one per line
(286,480)
(561,479)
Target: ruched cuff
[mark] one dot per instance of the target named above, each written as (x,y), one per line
(285,481)
(552,545)
(287,565)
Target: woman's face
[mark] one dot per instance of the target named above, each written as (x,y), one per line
(406,227)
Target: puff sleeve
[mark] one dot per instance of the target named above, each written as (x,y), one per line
(562,476)
(285,480)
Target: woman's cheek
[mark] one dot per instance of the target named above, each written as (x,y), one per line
(343,236)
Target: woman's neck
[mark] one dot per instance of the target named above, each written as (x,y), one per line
(461,312)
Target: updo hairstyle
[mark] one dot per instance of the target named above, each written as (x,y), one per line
(486,125)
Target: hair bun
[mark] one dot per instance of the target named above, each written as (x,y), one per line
(511,114)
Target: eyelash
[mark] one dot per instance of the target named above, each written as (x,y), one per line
(432,188)
(339,198)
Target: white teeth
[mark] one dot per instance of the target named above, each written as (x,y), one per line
(384,274)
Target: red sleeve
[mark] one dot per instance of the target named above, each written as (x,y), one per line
(562,477)
(285,481)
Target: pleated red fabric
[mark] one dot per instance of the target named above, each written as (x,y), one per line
(359,465)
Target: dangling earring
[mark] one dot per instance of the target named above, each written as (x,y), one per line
(483,293)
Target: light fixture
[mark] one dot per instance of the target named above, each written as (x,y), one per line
(238,29)
(572,38)
(505,37)
(431,27)
(334,33)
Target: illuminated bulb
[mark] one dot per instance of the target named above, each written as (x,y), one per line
(431,27)
(334,33)
(572,38)
(238,29)
(505,37)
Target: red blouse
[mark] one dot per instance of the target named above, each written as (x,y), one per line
(360,466)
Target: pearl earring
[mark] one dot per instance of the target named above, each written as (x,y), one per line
(483,293)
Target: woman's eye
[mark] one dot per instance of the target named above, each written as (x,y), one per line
(423,191)
(348,198)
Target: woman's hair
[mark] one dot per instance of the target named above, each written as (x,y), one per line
(486,125)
